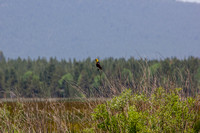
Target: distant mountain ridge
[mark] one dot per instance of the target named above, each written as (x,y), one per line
(115,28)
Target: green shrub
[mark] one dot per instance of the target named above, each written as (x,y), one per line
(161,112)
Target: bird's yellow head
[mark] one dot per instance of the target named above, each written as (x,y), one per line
(96,60)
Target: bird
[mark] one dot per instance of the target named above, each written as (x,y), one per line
(98,64)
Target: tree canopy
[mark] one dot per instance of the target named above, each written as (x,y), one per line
(60,78)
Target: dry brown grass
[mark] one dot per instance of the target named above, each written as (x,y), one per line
(50,115)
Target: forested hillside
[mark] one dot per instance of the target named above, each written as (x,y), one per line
(72,78)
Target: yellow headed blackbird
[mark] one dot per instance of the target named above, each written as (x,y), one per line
(98,64)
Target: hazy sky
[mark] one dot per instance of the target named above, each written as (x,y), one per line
(192,1)
(100,28)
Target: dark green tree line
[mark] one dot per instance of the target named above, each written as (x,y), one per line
(61,78)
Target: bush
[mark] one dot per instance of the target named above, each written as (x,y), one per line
(160,112)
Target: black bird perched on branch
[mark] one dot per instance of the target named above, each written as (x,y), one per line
(98,64)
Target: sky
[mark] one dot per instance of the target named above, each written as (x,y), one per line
(80,29)
(192,1)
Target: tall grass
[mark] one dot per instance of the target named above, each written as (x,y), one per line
(45,115)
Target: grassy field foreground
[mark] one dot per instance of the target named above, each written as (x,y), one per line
(45,115)
(160,111)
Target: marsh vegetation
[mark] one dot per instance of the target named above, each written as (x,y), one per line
(160,111)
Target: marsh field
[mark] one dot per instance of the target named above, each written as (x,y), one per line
(46,115)
(162,111)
